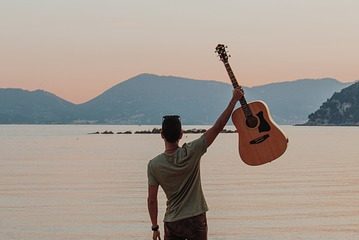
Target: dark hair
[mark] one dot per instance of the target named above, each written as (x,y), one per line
(171,128)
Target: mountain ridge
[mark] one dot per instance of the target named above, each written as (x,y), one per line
(24,106)
(144,98)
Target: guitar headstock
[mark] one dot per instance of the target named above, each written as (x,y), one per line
(222,53)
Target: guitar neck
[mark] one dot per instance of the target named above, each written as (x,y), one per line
(231,75)
(243,101)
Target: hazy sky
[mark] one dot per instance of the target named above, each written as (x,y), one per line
(79,48)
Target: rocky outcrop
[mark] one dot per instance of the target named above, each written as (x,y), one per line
(342,109)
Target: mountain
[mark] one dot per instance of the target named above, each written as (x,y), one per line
(145,98)
(22,106)
(341,109)
(291,102)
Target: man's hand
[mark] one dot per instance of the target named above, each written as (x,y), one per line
(156,235)
(237,94)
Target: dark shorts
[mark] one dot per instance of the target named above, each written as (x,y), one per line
(193,228)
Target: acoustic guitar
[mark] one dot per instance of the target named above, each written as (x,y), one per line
(260,139)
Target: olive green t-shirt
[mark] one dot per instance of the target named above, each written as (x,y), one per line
(179,176)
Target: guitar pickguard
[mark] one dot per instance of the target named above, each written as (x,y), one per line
(263,124)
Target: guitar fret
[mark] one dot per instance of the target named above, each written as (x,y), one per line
(245,107)
(231,75)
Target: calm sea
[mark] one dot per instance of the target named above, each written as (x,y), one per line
(59,182)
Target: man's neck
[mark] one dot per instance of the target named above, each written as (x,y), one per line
(171,147)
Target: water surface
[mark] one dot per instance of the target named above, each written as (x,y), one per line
(59,182)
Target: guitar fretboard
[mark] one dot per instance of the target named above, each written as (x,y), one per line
(247,111)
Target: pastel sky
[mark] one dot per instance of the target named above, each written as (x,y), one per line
(77,49)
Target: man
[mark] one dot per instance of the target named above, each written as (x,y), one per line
(177,171)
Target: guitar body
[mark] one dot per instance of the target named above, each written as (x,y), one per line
(260,139)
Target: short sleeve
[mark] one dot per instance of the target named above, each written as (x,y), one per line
(199,145)
(151,177)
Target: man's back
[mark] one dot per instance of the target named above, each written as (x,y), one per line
(179,176)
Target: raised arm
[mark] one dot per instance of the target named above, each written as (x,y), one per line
(222,120)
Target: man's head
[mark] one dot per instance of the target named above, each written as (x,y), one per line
(171,128)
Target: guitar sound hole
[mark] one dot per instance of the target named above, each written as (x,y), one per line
(251,121)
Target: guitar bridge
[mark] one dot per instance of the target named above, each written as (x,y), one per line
(260,139)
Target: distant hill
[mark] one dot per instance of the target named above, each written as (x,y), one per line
(146,98)
(291,102)
(341,109)
(143,99)
(22,106)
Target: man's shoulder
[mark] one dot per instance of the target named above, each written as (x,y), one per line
(156,159)
(198,143)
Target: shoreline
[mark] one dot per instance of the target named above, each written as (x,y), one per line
(158,131)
